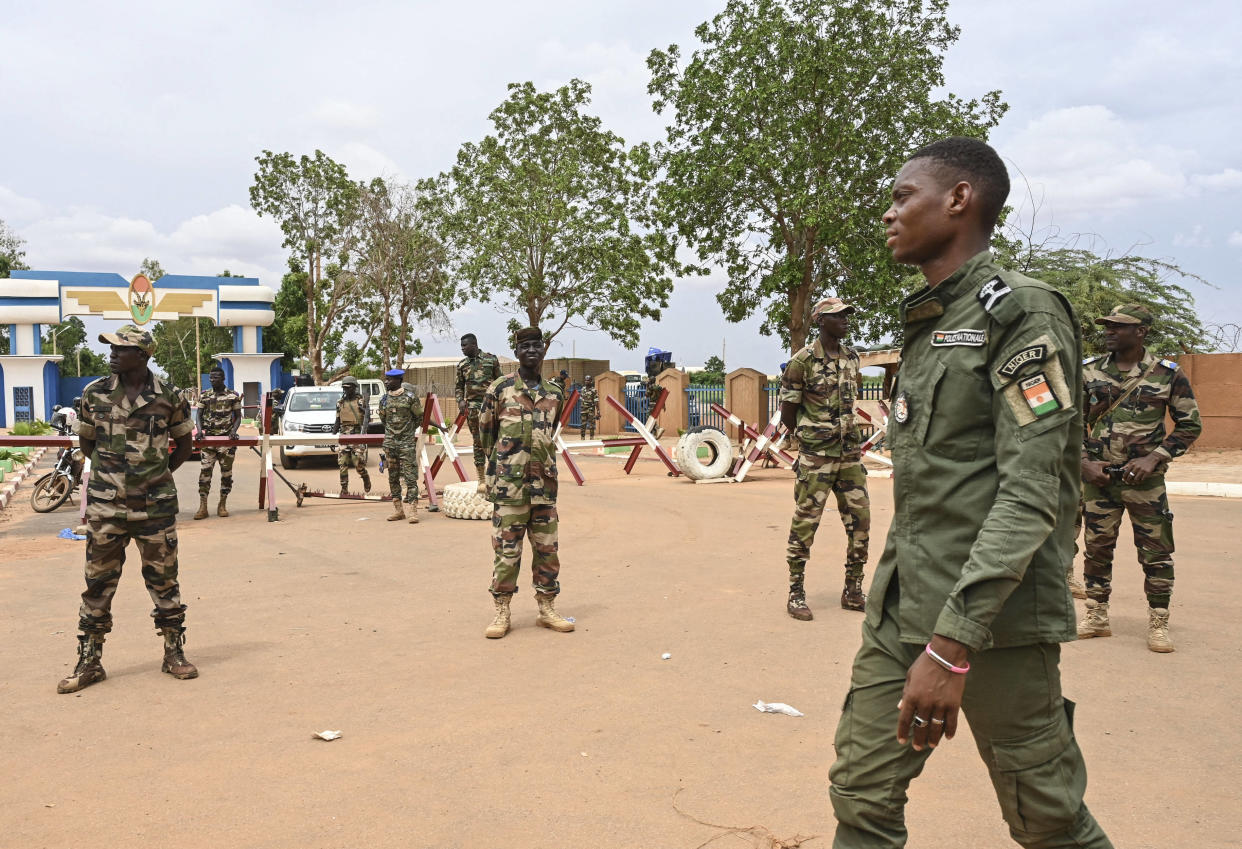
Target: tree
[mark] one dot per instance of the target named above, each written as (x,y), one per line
(713,372)
(12,255)
(788,126)
(152,269)
(69,340)
(549,218)
(317,207)
(175,352)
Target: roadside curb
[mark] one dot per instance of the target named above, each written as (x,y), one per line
(1206,488)
(10,484)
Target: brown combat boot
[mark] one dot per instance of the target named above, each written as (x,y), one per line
(222,509)
(500,624)
(90,667)
(796,606)
(175,663)
(1095,622)
(202,507)
(366,481)
(1158,630)
(414,513)
(397,513)
(1076,587)
(548,617)
(852,597)
(481,477)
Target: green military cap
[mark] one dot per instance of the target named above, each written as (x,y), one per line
(349,378)
(528,334)
(1127,314)
(130,336)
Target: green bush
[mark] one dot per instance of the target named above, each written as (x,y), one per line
(35,428)
(18,457)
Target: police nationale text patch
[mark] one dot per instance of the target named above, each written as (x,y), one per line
(1030,354)
(943,338)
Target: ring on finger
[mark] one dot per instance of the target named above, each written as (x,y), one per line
(919,722)
(937,721)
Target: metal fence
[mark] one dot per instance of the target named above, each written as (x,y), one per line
(699,399)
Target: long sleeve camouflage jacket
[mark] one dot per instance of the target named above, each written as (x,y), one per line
(1136,427)
(516,428)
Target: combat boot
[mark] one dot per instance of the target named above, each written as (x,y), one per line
(852,597)
(500,624)
(548,617)
(344,485)
(366,481)
(414,513)
(397,513)
(90,667)
(222,509)
(1076,587)
(1158,630)
(175,663)
(797,603)
(1095,622)
(480,476)
(202,507)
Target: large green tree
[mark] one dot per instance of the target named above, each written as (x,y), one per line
(787,127)
(548,218)
(69,340)
(12,256)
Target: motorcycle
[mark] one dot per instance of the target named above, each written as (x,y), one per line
(54,488)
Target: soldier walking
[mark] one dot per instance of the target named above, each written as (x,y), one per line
(517,423)
(219,414)
(969,605)
(1127,393)
(353,415)
(474,374)
(588,408)
(818,390)
(125,425)
(401,412)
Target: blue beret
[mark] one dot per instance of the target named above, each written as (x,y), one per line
(395,372)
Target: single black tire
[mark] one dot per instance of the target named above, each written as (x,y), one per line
(720,452)
(287,461)
(50,491)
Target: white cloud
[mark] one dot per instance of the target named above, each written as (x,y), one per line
(1195,239)
(344,115)
(364,162)
(1235,238)
(1230,178)
(16,210)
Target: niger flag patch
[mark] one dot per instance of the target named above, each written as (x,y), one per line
(1038,395)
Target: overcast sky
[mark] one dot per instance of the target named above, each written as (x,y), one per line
(130,129)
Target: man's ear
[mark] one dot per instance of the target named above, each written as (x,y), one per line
(961,197)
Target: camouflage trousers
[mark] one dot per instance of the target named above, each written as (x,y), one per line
(351,457)
(402,459)
(588,420)
(211,456)
(105,555)
(1148,506)
(510,524)
(472,422)
(847,480)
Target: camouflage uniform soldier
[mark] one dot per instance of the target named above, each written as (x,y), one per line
(126,422)
(562,382)
(818,389)
(219,414)
(588,408)
(353,414)
(1127,394)
(518,419)
(401,412)
(474,374)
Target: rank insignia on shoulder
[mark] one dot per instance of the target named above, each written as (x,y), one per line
(968,336)
(1029,354)
(992,291)
(1039,395)
(901,408)
(1169,364)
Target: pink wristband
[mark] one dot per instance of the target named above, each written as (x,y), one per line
(960,670)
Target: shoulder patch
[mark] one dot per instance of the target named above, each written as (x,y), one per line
(1089,360)
(1169,364)
(991,292)
(1029,354)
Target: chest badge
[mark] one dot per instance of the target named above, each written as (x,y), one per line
(968,336)
(901,408)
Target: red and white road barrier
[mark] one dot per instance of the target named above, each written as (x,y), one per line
(566,411)
(774,451)
(763,443)
(876,435)
(645,432)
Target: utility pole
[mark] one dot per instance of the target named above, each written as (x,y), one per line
(198,363)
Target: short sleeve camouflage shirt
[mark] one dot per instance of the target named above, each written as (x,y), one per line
(825,390)
(215,411)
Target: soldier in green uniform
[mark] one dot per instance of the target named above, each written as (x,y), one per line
(475,373)
(1127,394)
(401,412)
(562,382)
(517,423)
(126,423)
(818,390)
(588,407)
(969,605)
(219,414)
(353,414)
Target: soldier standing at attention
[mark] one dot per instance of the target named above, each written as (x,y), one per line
(219,414)
(518,419)
(474,374)
(1127,393)
(353,415)
(969,604)
(818,390)
(588,408)
(125,425)
(401,413)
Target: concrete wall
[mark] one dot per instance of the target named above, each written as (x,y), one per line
(746,397)
(676,413)
(608,383)
(1217,381)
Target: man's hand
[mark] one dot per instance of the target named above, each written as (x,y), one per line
(1094,474)
(233,435)
(933,694)
(1140,469)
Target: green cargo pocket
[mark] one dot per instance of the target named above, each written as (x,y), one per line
(1039,778)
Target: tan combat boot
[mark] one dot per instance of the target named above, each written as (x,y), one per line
(1077,588)
(480,476)
(414,513)
(222,509)
(175,663)
(852,597)
(90,667)
(796,606)
(1095,622)
(202,508)
(397,513)
(1158,630)
(548,617)
(500,624)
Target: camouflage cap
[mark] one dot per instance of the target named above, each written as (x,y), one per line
(1127,314)
(830,306)
(130,336)
(350,380)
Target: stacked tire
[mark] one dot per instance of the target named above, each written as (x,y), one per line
(464,501)
(719,453)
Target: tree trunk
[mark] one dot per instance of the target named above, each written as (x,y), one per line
(312,338)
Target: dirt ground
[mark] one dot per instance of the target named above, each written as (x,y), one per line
(334,619)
